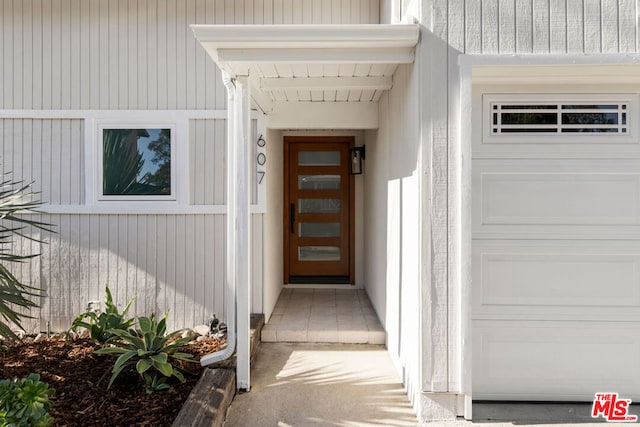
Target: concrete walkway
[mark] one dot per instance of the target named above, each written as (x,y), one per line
(355,385)
(322,385)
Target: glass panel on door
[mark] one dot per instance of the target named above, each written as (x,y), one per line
(324,206)
(319,158)
(318,182)
(318,253)
(319,229)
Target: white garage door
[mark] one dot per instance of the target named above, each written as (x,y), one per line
(556,243)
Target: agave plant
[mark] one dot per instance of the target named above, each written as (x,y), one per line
(102,325)
(16,199)
(154,353)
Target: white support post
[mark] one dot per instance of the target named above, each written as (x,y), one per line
(242,199)
(238,304)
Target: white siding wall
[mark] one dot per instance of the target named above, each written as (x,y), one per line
(273,236)
(393,265)
(140,55)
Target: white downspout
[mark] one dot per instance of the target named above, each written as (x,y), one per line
(231,228)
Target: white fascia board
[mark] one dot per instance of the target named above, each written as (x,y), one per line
(327,83)
(235,48)
(306,36)
(323,115)
(579,69)
(251,56)
(545,59)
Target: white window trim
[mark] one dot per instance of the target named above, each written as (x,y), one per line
(554,138)
(179,162)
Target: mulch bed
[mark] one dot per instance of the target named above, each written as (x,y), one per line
(82,399)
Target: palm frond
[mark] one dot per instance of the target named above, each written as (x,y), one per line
(121,163)
(17,203)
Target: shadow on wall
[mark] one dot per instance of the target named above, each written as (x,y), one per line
(165,261)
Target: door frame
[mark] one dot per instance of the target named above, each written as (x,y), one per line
(287,140)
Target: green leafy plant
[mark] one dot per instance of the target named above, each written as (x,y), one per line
(25,402)
(16,200)
(154,353)
(102,325)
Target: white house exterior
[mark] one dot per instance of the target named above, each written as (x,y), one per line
(496,226)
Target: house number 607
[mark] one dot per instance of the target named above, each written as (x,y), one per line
(261,158)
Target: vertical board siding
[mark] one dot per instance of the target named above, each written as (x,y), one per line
(506,26)
(208,161)
(134,54)
(47,153)
(540,26)
(165,262)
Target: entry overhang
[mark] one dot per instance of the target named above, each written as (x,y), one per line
(312,76)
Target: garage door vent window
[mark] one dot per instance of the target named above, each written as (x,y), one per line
(555,118)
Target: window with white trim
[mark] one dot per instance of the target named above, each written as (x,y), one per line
(136,162)
(562,117)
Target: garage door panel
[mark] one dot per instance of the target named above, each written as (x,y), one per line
(558,198)
(555,360)
(560,232)
(557,280)
(551,199)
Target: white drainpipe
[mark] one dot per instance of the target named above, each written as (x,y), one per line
(231,229)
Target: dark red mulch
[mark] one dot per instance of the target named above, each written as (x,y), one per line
(74,371)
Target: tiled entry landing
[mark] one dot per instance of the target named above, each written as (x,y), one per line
(324,315)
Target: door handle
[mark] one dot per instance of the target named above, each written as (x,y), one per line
(292,217)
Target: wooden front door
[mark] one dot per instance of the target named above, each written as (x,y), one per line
(318,211)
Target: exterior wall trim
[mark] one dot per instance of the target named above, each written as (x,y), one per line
(141,208)
(114,114)
(471,60)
